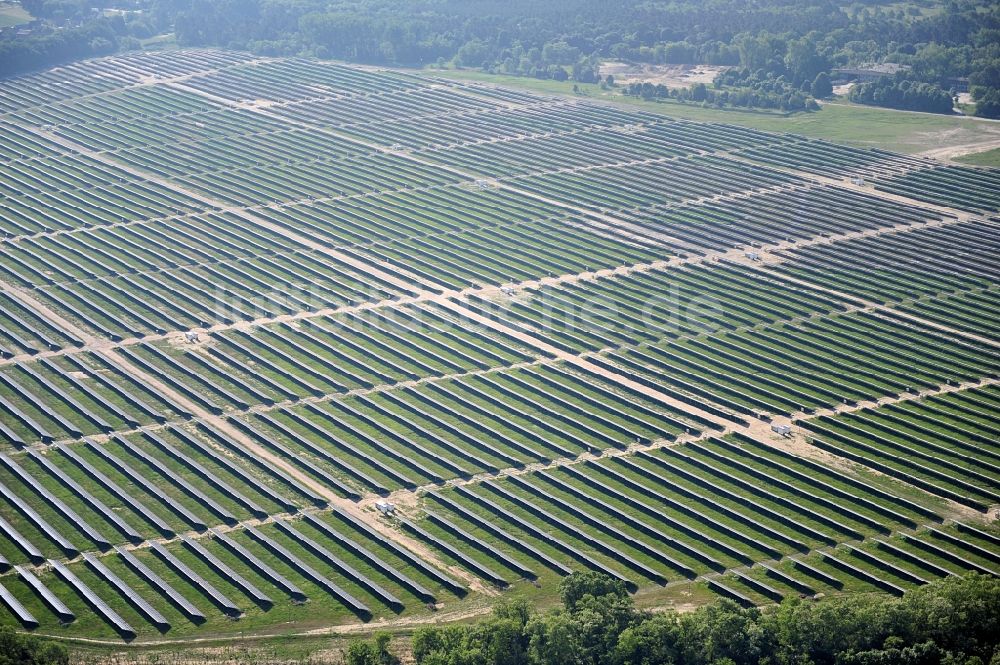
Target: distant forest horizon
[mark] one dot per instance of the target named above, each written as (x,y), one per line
(777,48)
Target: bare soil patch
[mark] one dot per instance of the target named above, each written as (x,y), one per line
(672,76)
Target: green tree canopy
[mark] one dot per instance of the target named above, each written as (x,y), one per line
(19,649)
(955,621)
(821,86)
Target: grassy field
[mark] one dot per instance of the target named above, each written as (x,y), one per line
(12,13)
(986,158)
(860,126)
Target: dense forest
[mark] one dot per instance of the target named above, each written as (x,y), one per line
(955,621)
(779,47)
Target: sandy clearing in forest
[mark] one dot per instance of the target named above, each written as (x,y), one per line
(672,76)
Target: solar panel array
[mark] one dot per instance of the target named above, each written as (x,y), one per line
(245,300)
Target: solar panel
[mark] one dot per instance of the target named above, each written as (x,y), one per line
(15,606)
(26,420)
(227,573)
(370,557)
(149,487)
(175,597)
(91,393)
(480,544)
(176,479)
(224,487)
(116,388)
(347,599)
(93,599)
(33,552)
(127,592)
(226,605)
(39,404)
(39,521)
(89,498)
(50,599)
(300,460)
(233,468)
(491,527)
(267,571)
(406,554)
(115,489)
(71,515)
(240,449)
(729,592)
(13,437)
(483,571)
(345,569)
(871,578)
(99,422)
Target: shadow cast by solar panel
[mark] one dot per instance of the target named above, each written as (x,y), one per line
(23,616)
(28,625)
(64,619)
(196,620)
(265,604)
(124,633)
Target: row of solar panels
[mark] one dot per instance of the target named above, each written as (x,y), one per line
(55,393)
(225,604)
(244,479)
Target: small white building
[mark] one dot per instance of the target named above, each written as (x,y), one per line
(385,507)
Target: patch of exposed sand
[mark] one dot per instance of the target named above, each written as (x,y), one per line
(672,76)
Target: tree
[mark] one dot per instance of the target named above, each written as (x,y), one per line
(553,640)
(988,76)
(560,53)
(724,632)
(371,652)
(101,45)
(987,102)
(803,62)
(574,588)
(501,639)
(955,621)
(821,86)
(585,71)
(18,649)
(902,93)
(761,52)
(597,608)
(652,642)
(787,37)
(472,54)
